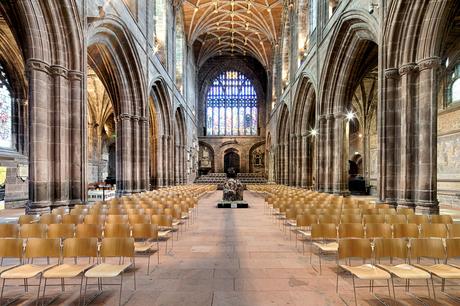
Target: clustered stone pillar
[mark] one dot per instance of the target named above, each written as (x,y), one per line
(408,137)
(322,161)
(56,174)
(340,154)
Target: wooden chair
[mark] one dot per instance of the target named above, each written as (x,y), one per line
(433,248)
(117,219)
(50,219)
(10,248)
(329,219)
(378,230)
(136,219)
(147,242)
(113,248)
(397,248)
(409,230)
(454,230)
(27,219)
(324,238)
(72,219)
(436,230)
(362,249)
(344,219)
(35,248)
(351,230)
(94,219)
(117,230)
(395,219)
(442,219)
(89,231)
(61,231)
(33,230)
(9,230)
(73,248)
(373,219)
(418,219)
(405,211)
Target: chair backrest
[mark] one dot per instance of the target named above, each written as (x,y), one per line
(89,231)
(391,248)
(144,231)
(43,247)
(326,231)
(306,220)
(351,211)
(351,230)
(34,230)
(9,230)
(427,247)
(327,219)
(396,219)
(117,219)
(11,248)
(387,211)
(405,211)
(61,231)
(134,219)
(50,219)
(444,219)
(351,219)
(433,230)
(162,220)
(373,219)
(119,230)
(378,230)
(59,211)
(454,230)
(355,248)
(370,211)
(418,219)
(80,247)
(94,219)
(409,230)
(27,219)
(72,219)
(453,247)
(117,247)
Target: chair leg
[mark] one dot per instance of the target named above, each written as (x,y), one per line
(389,291)
(148,265)
(39,286)
(354,290)
(44,289)
(428,287)
(81,287)
(337,281)
(393,285)
(134,270)
(158,251)
(3,286)
(121,288)
(432,285)
(84,292)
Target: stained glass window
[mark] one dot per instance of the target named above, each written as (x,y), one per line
(6,137)
(231,106)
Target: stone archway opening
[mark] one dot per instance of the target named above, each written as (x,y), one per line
(231,161)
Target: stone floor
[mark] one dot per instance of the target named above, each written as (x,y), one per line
(231,257)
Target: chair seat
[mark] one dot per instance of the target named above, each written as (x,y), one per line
(442,270)
(304,233)
(6,268)
(327,247)
(106,270)
(406,271)
(291,222)
(163,234)
(25,271)
(367,271)
(141,247)
(66,271)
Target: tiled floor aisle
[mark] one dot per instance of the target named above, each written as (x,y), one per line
(237,257)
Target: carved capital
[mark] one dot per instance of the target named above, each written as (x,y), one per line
(339,116)
(37,65)
(322,118)
(135,118)
(58,71)
(408,68)
(429,63)
(391,73)
(330,116)
(75,75)
(124,117)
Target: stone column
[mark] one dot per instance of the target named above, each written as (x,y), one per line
(388,127)
(300,157)
(303,166)
(124,155)
(427,136)
(144,153)
(321,156)
(59,122)
(291,159)
(78,139)
(39,148)
(408,153)
(340,154)
(160,161)
(136,154)
(329,153)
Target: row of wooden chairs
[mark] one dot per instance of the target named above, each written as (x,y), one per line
(389,259)
(67,265)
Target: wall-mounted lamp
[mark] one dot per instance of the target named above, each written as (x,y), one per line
(372,7)
(350,115)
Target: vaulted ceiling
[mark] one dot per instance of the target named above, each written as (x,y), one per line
(226,27)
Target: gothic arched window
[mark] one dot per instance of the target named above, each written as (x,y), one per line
(453,86)
(231,106)
(6,111)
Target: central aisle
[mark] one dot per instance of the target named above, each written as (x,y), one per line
(235,257)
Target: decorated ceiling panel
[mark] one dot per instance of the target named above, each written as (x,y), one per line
(226,27)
